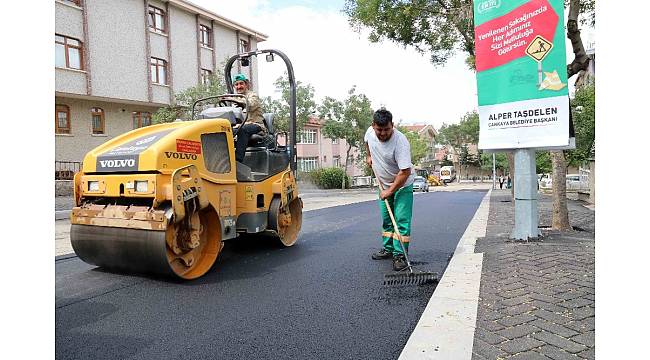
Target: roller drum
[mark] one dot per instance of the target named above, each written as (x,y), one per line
(132,250)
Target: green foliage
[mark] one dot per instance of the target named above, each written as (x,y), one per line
(183,100)
(584,122)
(305,104)
(465,132)
(468,158)
(501,161)
(543,163)
(419,146)
(330,178)
(348,119)
(439,27)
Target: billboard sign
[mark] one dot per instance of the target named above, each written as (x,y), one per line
(521,74)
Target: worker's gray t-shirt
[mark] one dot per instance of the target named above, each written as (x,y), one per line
(390,156)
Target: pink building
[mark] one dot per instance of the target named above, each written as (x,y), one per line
(317,151)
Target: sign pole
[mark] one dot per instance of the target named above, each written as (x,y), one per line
(526,216)
(494,172)
(516,111)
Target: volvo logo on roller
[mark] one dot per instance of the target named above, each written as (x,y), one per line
(121,163)
(175,155)
(117,163)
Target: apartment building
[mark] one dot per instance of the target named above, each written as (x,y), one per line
(317,151)
(118,61)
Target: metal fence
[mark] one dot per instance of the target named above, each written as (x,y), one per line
(65,170)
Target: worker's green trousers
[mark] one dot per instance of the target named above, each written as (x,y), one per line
(401,202)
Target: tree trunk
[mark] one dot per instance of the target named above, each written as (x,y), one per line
(560,212)
(345,169)
(581,60)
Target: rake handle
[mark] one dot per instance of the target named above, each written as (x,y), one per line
(392,218)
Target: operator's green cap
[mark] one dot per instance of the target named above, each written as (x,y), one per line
(240,77)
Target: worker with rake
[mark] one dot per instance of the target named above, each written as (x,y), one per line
(389,154)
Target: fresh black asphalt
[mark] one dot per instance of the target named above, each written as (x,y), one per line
(320,299)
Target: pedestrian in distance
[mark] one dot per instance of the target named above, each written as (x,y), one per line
(389,154)
(501,182)
(509,182)
(255,122)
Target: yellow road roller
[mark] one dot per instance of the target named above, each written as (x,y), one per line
(164,198)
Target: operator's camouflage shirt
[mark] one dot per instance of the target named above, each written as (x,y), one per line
(254,109)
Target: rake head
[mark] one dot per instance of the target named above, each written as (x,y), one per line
(410,278)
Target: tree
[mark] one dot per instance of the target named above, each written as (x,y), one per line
(584,123)
(468,158)
(442,27)
(439,27)
(305,104)
(560,219)
(543,162)
(456,135)
(181,106)
(501,161)
(348,119)
(419,146)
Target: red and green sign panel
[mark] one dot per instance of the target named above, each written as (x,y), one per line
(521,74)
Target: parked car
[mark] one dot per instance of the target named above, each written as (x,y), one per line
(420,184)
(573,181)
(577,182)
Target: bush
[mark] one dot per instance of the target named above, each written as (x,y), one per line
(330,178)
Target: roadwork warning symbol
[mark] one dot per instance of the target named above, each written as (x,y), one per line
(539,48)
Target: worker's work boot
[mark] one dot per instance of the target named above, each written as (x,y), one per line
(399,262)
(382,254)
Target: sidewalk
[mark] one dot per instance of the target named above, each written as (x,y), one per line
(536,298)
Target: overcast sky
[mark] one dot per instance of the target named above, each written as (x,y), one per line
(330,56)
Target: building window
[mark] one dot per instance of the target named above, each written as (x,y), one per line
(205,76)
(307,164)
(243,46)
(336,161)
(156,19)
(62,119)
(158,71)
(68,52)
(204,36)
(307,136)
(141,119)
(335,141)
(97,118)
